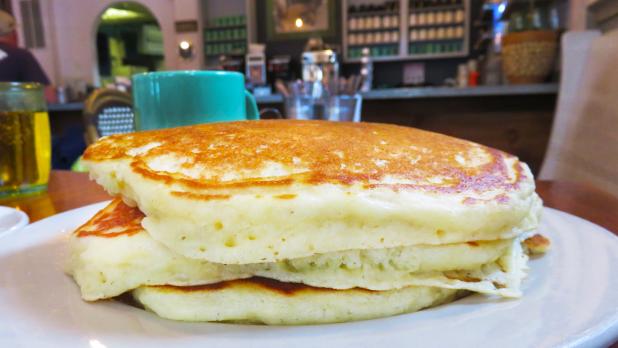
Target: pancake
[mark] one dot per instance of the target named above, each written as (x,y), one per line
(259,300)
(269,191)
(112,254)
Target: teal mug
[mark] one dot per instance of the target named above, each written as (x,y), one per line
(181,98)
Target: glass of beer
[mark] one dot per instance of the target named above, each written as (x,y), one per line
(25,144)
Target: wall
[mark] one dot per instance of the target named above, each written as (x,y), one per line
(190,10)
(70,27)
(578,14)
(46,56)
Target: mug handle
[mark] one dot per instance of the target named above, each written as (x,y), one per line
(252,109)
(275,111)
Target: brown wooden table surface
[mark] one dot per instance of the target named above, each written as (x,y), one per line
(68,190)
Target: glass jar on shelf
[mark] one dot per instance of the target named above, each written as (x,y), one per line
(378,37)
(431,18)
(386,21)
(413,35)
(351,39)
(360,39)
(376,21)
(360,24)
(449,16)
(352,23)
(422,34)
(422,18)
(431,34)
(459,31)
(449,33)
(412,19)
(386,36)
(459,16)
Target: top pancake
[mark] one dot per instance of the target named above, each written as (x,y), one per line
(263,191)
(280,153)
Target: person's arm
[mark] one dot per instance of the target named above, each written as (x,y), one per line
(32,71)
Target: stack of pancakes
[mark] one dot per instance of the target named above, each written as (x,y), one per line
(296,222)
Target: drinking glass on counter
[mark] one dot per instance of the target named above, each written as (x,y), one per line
(25,143)
(332,108)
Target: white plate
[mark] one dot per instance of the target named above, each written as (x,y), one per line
(570,299)
(12,220)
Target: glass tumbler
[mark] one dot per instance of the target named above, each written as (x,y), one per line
(25,144)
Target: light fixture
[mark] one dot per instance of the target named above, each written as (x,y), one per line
(184,45)
(185,49)
(117,13)
(298,22)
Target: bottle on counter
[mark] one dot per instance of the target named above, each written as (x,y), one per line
(492,71)
(366,70)
(462,75)
(473,73)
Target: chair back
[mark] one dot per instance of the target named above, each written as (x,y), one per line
(107,112)
(583,145)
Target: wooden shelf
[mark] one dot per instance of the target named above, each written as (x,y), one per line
(226,27)
(404,27)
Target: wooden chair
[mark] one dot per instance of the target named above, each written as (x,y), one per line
(107,112)
(583,145)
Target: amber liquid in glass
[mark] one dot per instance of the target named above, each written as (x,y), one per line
(25,152)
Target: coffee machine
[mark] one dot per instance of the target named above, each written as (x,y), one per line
(320,68)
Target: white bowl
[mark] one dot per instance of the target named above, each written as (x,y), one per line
(11,220)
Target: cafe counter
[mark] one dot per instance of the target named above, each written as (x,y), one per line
(513,118)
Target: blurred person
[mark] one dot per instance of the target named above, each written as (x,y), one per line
(16,64)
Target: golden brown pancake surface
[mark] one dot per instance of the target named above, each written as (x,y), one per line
(116,219)
(313,152)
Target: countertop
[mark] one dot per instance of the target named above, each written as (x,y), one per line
(400,93)
(443,92)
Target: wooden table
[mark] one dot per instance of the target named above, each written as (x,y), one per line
(68,190)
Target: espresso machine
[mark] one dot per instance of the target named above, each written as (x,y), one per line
(320,71)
